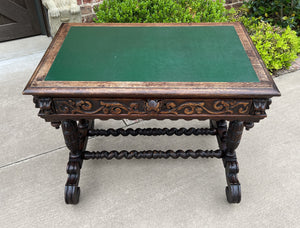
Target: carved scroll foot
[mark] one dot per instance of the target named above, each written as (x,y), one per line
(233,188)
(72,190)
(233,193)
(72,194)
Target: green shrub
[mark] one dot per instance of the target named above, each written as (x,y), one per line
(277,12)
(278,47)
(150,11)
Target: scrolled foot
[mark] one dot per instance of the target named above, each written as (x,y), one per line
(72,190)
(233,193)
(233,190)
(72,194)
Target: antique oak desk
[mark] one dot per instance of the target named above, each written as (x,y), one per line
(152,71)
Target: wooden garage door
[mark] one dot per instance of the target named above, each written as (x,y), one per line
(18,18)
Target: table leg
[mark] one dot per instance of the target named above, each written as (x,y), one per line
(83,127)
(234,134)
(221,131)
(76,140)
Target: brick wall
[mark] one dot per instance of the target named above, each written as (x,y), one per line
(233,3)
(87,9)
(88,13)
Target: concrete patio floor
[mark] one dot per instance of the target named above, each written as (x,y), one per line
(142,193)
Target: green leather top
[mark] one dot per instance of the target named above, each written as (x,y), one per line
(182,54)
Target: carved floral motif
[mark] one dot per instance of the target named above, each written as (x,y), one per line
(173,107)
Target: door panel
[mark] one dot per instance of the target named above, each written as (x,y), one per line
(18,18)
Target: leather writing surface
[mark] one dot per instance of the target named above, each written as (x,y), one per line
(174,53)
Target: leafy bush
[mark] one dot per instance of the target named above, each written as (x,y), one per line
(149,11)
(277,12)
(278,47)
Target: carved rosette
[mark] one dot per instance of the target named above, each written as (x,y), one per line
(144,107)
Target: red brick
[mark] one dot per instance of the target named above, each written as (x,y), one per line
(88,18)
(85,9)
(237,5)
(87,1)
(79,2)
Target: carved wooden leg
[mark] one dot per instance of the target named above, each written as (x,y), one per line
(234,134)
(72,139)
(221,128)
(83,127)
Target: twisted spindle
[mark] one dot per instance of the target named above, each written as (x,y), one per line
(152,131)
(151,154)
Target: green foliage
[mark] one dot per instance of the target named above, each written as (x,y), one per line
(165,11)
(278,47)
(276,12)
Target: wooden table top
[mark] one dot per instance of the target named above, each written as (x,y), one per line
(152,60)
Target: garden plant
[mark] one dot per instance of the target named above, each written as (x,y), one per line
(283,13)
(163,11)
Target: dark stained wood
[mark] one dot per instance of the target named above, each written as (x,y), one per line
(152,131)
(72,190)
(233,138)
(90,106)
(74,142)
(75,105)
(57,109)
(149,154)
(71,135)
(83,127)
(76,137)
(221,131)
(38,87)
(21,19)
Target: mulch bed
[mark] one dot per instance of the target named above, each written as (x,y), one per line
(294,67)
